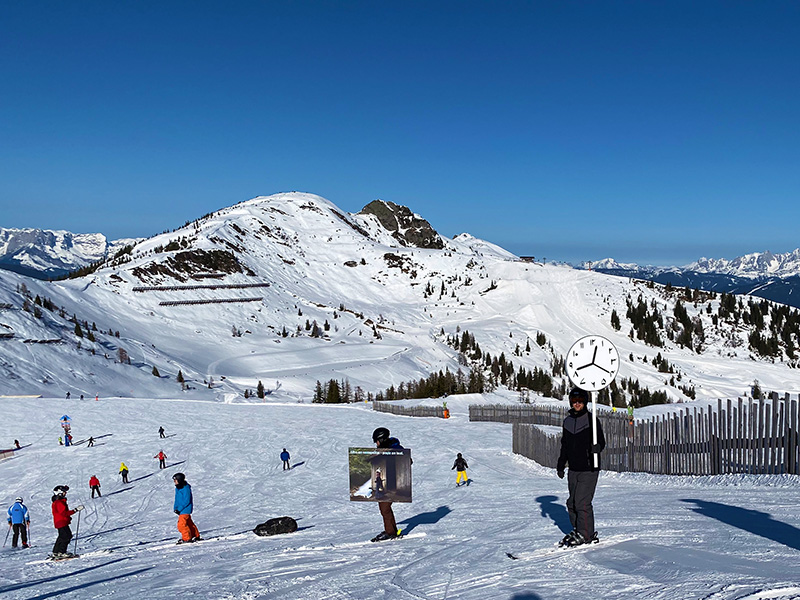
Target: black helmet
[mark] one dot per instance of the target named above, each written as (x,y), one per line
(578,394)
(459,455)
(60,490)
(380,434)
(180,478)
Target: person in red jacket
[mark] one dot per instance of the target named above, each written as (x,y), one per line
(162,460)
(94,483)
(62,517)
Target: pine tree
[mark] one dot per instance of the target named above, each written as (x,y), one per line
(78,330)
(180,378)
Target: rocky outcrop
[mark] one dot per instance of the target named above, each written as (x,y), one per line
(406,227)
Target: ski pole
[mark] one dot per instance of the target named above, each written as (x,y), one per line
(77,530)
(28,527)
(6,540)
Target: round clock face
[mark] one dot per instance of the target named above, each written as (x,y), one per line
(592,363)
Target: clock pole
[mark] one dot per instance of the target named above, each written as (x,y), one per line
(594,430)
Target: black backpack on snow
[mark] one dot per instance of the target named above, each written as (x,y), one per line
(276,526)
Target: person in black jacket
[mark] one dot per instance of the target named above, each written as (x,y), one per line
(577,451)
(461,467)
(382,439)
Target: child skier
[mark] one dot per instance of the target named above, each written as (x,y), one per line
(183,507)
(162,460)
(62,517)
(123,470)
(461,467)
(382,439)
(285,458)
(94,483)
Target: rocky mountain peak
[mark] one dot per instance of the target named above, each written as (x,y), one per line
(405,226)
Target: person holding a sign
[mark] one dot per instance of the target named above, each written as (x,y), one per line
(382,439)
(577,451)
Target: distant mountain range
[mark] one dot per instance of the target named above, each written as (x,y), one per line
(766,275)
(46,254)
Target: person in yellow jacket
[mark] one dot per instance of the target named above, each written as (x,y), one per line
(123,470)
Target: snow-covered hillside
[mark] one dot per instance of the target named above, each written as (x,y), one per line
(237,296)
(45,253)
(725,537)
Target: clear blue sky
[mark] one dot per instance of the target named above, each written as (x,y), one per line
(655,132)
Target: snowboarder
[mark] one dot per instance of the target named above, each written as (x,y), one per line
(19,521)
(161,432)
(91,442)
(285,458)
(94,483)
(382,439)
(16,445)
(461,467)
(67,395)
(123,470)
(577,451)
(162,460)
(183,508)
(62,517)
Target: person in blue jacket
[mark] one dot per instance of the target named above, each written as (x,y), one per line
(285,458)
(183,508)
(19,521)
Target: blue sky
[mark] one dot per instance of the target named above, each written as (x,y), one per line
(655,132)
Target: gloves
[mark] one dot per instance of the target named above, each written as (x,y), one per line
(177,512)
(79,508)
(561,473)
(596,448)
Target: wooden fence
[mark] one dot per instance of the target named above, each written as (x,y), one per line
(735,437)
(409,411)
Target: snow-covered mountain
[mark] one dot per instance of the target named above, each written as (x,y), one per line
(764,274)
(45,254)
(289,290)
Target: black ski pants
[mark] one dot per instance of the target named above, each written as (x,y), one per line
(19,530)
(62,542)
(96,488)
(162,463)
(286,465)
(582,485)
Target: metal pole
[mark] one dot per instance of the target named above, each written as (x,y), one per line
(77,530)
(28,527)
(594,429)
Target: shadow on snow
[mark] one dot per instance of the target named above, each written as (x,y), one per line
(426,518)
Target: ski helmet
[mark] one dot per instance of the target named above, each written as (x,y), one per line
(380,434)
(60,490)
(18,499)
(458,455)
(180,478)
(578,394)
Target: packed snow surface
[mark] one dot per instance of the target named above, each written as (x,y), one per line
(721,538)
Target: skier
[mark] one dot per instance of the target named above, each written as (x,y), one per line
(461,467)
(162,460)
(183,508)
(285,458)
(123,470)
(60,441)
(94,483)
(67,395)
(62,517)
(577,451)
(19,521)
(16,445)
(378,482)
(382,439)
(91,442)
(161,432)
(81,396)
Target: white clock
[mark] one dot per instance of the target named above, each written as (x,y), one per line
(592,363)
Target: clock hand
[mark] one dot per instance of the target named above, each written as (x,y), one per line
(584,366)
(594,355)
